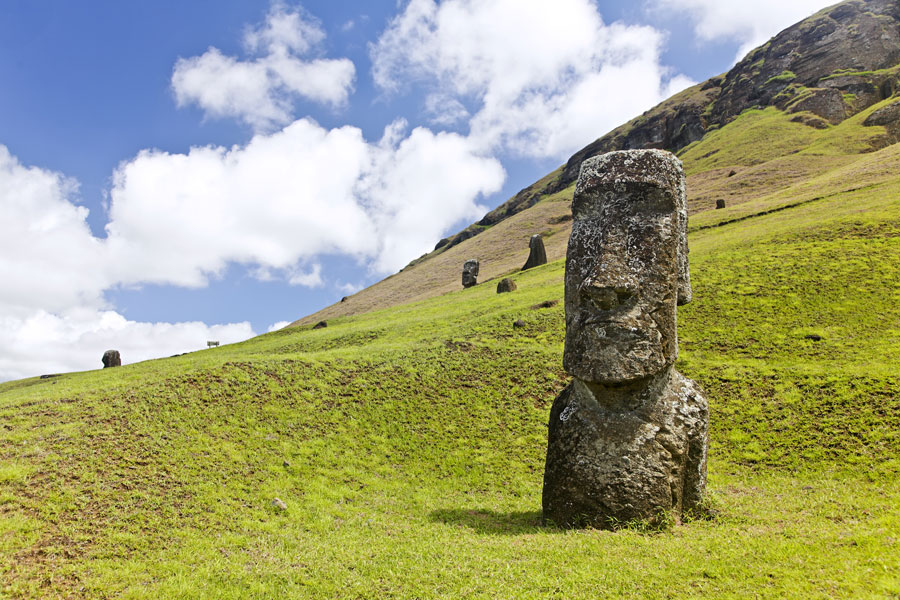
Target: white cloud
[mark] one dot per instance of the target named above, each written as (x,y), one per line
(261,90)
(288,197)
(178,218)
(748,23)
(54,271)
(548,77)
(312,278)
(350,288)
(48,257)
(277,326)
(444,109)
(75,340)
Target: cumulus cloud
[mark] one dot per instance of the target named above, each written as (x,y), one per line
(75,339)
(547,77)
(48,257)
(261,90)
(52,314)
(748,23)
(180,219)
(311,278)
(287,197)
(277,326)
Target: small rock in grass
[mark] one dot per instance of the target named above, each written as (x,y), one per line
(320,325)
(720,204)
(285,464)
(545,304)
(519,323)
(506,285)
(279,504)
(814,337)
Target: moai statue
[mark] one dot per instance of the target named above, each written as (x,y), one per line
(470,273)
(111,358)
(537,255)
(628,437)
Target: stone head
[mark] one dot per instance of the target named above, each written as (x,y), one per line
(626,266)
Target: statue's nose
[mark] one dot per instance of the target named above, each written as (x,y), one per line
(606,296)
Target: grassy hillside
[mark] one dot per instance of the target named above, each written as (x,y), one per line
(408,442)
(763,160)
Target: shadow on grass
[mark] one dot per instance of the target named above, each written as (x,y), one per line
(492,522)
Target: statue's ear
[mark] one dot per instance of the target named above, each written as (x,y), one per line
(685,294)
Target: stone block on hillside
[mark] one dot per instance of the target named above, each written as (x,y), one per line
(627,438)
(720,204)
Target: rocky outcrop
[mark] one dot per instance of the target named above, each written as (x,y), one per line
(827,103)
(889,118)
(857,35)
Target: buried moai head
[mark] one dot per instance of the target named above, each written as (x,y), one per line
(626,266)
(111,358)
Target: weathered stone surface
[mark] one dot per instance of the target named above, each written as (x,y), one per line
(279,504)
(720,203)
(628,437)
(827,103)
(537,254)
(506,285)
(111,358)
(320,325)
(470,273)
(887,115)
(518,323)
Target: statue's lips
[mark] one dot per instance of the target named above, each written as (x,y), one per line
(626,326)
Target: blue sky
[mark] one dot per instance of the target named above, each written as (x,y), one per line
(172,172)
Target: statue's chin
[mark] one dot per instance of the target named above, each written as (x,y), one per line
(598,359)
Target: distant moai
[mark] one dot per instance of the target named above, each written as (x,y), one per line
(111,358)
(628,437)
(720,204)
(537,255)
(470,273)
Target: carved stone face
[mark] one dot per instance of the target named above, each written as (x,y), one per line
(626,267)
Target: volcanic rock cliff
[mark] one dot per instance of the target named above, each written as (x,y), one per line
(824,69)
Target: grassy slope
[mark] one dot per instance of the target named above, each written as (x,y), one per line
(408,442)
(776,162)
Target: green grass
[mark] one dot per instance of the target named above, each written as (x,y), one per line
(784,76)
(408,444)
